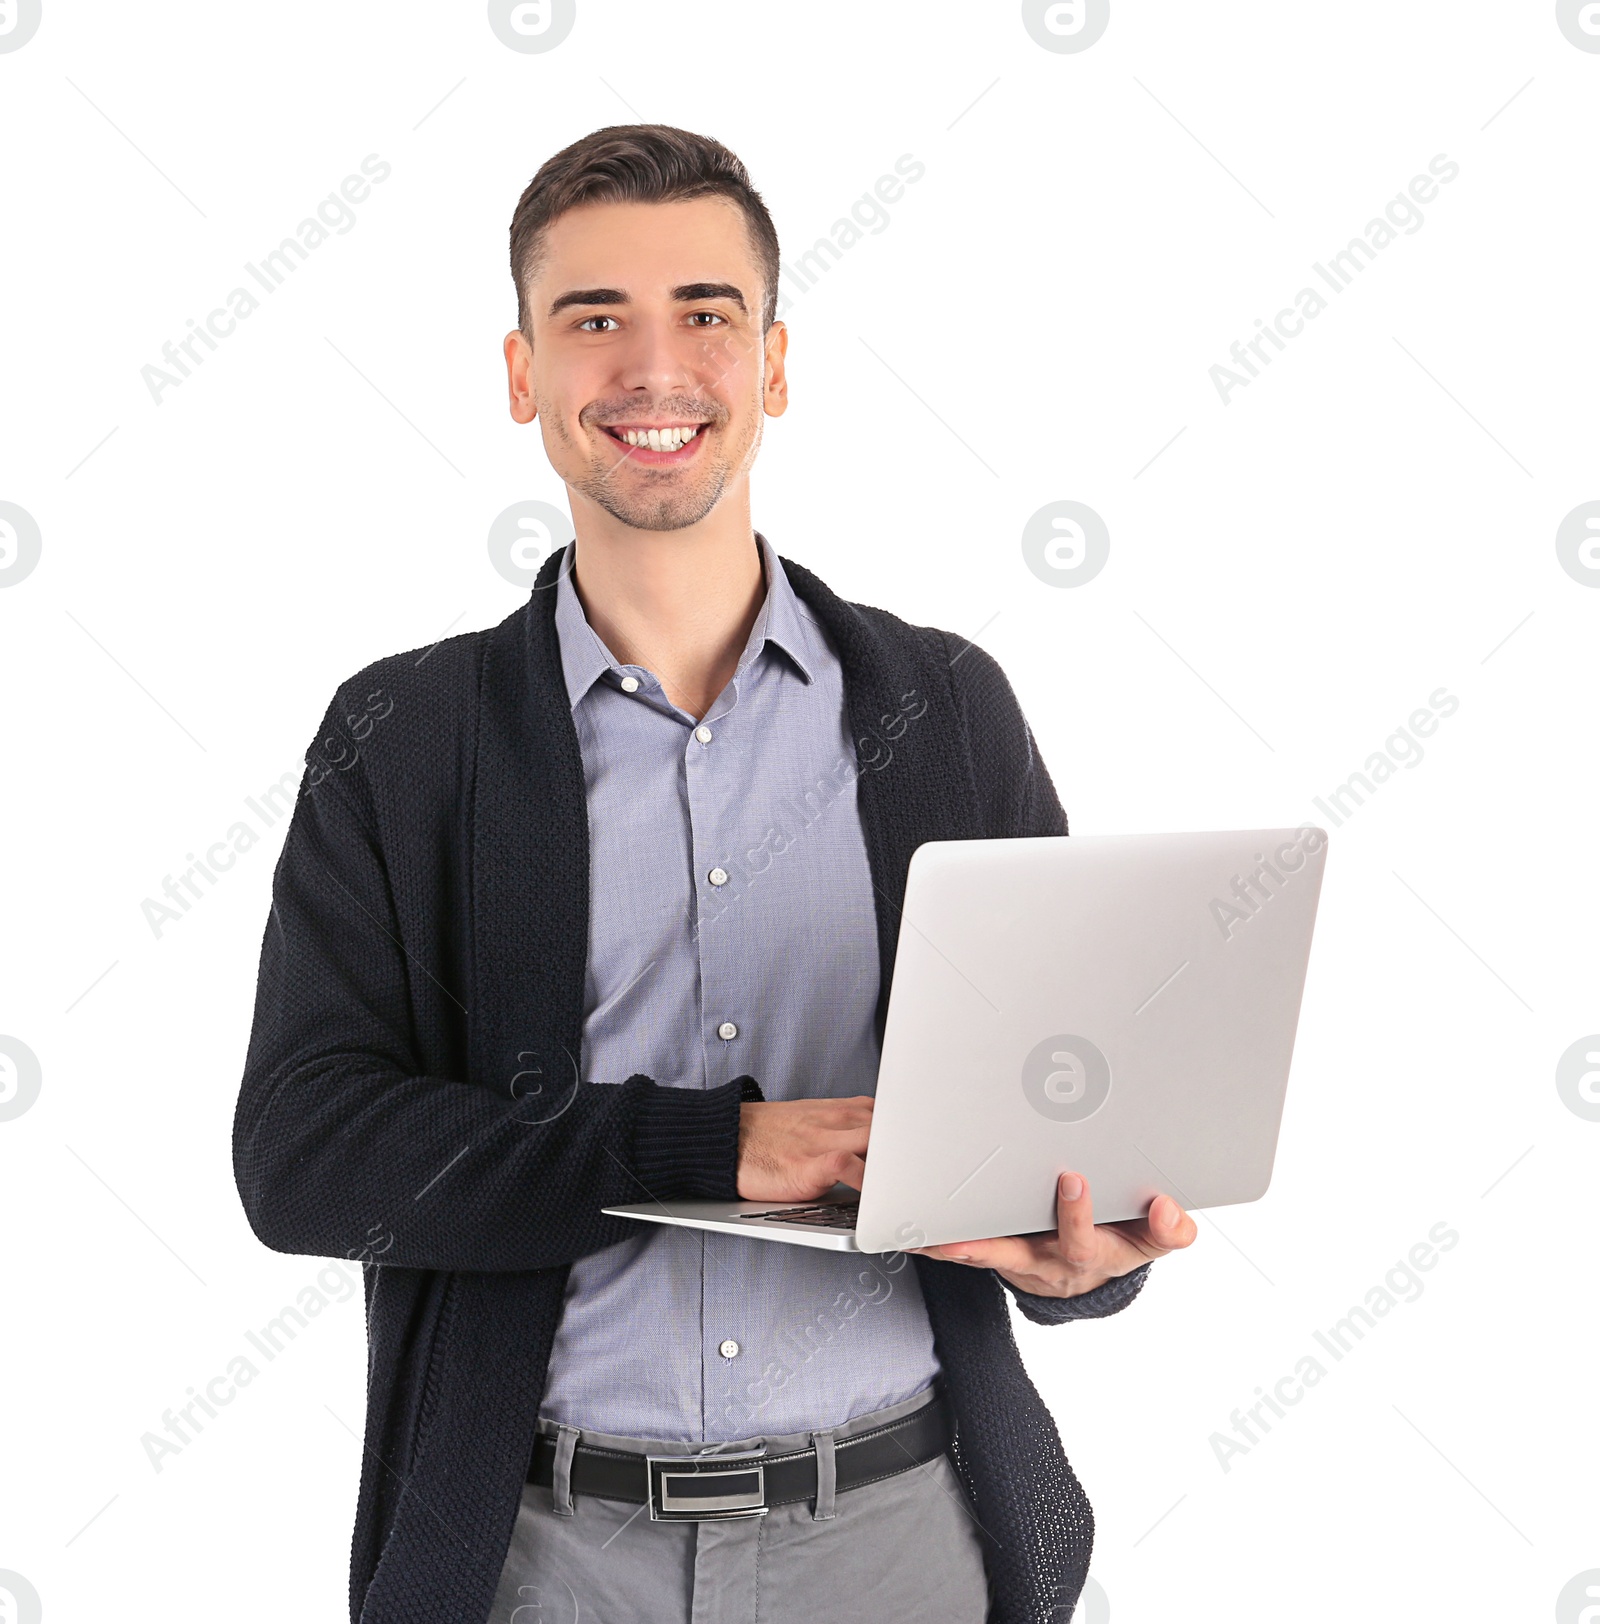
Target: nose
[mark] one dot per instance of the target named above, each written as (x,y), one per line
(658,360)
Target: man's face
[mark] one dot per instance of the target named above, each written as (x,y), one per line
(647,317)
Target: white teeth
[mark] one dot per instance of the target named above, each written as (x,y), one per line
(660,439)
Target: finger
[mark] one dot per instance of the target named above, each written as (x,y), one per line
(1075,1232)
(1170,1226)
(851,1171)
(855,1107)
(848,1141)
(1166,1227)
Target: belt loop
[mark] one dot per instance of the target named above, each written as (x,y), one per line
(561,1472)
(822,1509)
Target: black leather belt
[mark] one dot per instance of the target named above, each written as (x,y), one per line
(701,1487)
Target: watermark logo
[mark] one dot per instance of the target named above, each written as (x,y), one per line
(19,22)
(1065,25)
(523,537)
(1066,1078)
(1578,1084)
(19,1601)
(20,543)
(1578,538)
(532,25)
(543,1603)
(20,1080)
(1094,1606)
(1066,544)
(1579,1601)
(1579,20)
(542,1095)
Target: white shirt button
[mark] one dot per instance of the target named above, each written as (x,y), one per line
(630,685)
(718,876)
(703,734)
(727,1030)
(728,1349)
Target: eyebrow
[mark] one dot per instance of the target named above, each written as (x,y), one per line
(693,292)
(689,292)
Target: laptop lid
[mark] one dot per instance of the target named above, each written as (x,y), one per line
(1119,1005)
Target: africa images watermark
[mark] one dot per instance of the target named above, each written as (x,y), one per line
(1403,748)
(276,267)
(1402,1283)
(1402,214)
(800,1341)
(792,816)
(181,1426)
(332,753)
(869,215)
(1228,916)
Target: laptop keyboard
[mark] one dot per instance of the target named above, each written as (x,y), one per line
(820,1215)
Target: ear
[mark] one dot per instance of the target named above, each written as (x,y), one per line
(775,397)
(519,377)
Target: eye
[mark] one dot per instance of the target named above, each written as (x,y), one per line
(711,314)
(587,319)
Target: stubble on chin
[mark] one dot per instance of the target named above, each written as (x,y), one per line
(645,509)
(639,497)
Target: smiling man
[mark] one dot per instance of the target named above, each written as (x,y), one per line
(600,905)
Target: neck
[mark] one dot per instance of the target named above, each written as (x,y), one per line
(678,602)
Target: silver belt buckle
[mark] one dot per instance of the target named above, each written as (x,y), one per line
(703,1488)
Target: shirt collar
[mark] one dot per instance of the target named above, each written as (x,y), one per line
(584,658)
(781,621)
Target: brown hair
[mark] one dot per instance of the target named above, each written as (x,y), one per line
(637,163)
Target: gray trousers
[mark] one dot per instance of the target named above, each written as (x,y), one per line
(905,1548)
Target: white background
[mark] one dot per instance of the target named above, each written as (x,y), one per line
(1296,572)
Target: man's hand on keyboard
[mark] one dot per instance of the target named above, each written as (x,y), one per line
(797,1150)
(1081,1254)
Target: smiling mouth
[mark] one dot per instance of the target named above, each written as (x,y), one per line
(663,441)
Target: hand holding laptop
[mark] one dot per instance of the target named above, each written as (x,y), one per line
(798,1150)
(1081,1254)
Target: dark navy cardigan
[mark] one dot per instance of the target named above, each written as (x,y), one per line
(410,1096)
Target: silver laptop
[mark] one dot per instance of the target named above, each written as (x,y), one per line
(1123,1006)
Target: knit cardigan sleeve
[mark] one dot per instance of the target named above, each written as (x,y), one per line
(343,1145)
(1018,799)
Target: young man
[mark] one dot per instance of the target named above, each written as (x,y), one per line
(601,905)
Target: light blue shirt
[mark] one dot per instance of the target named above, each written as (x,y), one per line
(731,931)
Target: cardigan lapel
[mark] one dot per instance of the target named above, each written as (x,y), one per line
(530,862)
